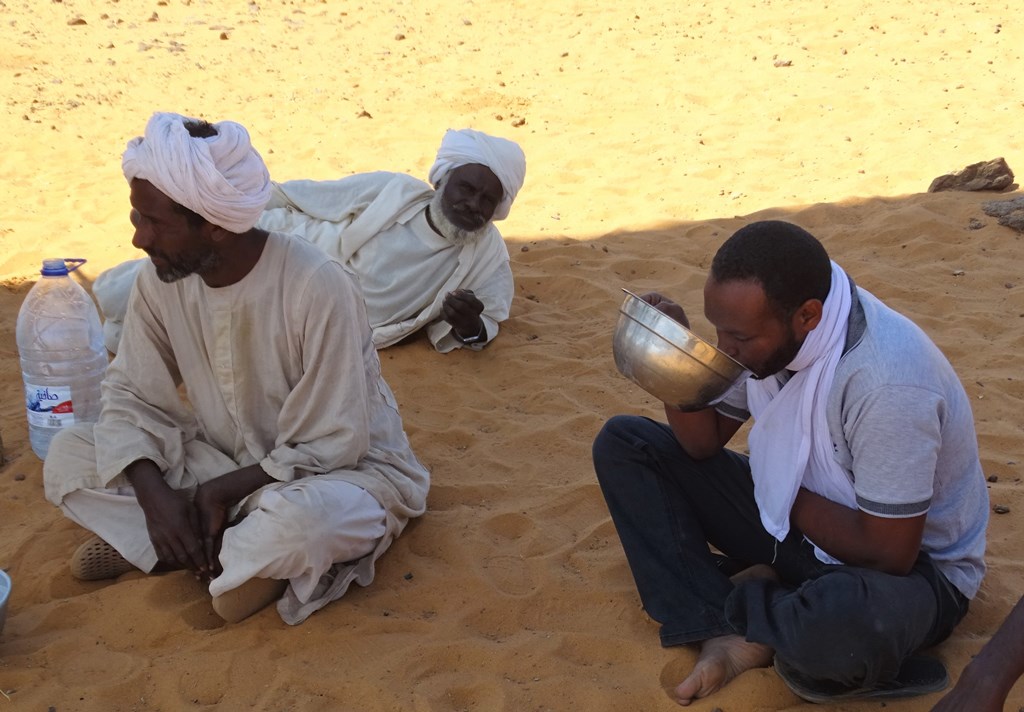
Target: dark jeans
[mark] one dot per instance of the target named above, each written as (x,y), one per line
(847,624)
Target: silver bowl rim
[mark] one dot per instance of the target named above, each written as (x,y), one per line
(688,333)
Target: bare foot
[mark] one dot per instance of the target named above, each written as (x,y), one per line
(721,659)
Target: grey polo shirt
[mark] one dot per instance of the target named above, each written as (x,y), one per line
(902,427)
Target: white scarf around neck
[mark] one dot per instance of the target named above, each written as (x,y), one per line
(790,443)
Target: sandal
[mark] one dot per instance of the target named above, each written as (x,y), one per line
(918,675)
(96,560)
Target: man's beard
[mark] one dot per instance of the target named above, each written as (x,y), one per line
(449,230)
(185,265)
(778,361)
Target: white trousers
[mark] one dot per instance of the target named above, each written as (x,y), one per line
(288,530)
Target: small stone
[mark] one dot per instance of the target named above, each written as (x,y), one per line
(524,248)
(223,35)
(399,36)
(975,224)
(408,576)
(987,175)
(958,273)
(1000,509)
(19,477)
(77,21)
(993,478)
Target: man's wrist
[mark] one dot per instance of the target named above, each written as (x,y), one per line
(475,339)
(143,473)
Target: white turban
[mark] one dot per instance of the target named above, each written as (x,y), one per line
(222,177)
(505,159)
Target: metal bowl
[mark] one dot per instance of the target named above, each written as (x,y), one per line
(5,592)
(668,360)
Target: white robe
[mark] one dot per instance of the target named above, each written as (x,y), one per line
(279,370)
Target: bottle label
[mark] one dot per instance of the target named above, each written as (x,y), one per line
(49,406)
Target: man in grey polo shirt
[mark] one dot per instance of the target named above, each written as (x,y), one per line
(854,532)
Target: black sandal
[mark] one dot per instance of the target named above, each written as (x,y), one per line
(918,675)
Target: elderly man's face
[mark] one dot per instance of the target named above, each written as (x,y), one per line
(176,247)
(471,195)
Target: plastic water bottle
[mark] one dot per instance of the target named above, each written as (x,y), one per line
(63,360)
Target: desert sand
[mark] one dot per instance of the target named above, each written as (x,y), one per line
(652,131)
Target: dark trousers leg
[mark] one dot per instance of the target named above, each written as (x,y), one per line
(666,508)
(850,625)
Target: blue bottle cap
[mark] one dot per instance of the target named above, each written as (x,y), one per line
(54,268)
(58,267)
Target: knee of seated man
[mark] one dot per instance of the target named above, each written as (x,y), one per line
(70,445)
(614,428)
(315,517)
(843,639)
(67,438)
(292,516)
(618,432)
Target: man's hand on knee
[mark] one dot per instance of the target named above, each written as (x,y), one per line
(171,520)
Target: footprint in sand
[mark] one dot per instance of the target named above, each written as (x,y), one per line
(510,574)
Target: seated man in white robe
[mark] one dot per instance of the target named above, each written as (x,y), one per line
(284,470)
(426,258)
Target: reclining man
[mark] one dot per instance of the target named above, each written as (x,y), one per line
(862,499)
(288,471)
(426,258)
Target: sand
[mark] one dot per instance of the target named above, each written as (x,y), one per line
(652,131)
